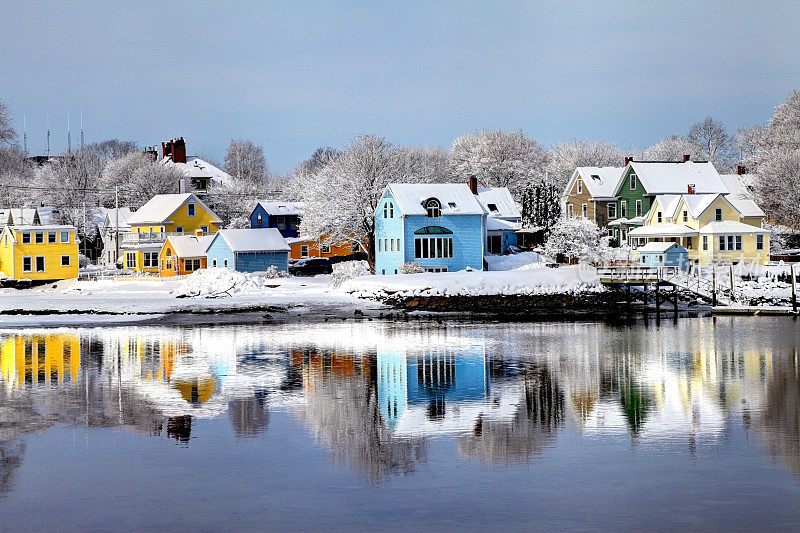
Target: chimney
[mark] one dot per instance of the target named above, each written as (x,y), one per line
(690,188)
(163,149)
(628,159)
(473,185)
(741,170)
(179,150)
(686,158)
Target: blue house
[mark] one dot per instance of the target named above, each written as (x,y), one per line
(441,226)
(663,254)
(503,218)
(248,250)
(284,216)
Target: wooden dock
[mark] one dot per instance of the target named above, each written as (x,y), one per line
(753,310)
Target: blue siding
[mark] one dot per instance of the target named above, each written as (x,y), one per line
(389,228)
(260,261)
(269,221)
(468,236)
(219,252)
(678,257)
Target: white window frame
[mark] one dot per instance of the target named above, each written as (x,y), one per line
(433,208)
(54,235)
(325,248)
(579,185)
(570,211)
(685,216)
(705,243)
(44,264)
(204,229)
(717,214)
(380,245)
(26,237)
(623,208)
(638,208)
(391,210)
(178,229)
(632,182)
(386,210)
(398,243)
(585,210)
(130,260)
(69,260)
(433,247)
(759,242)
(191,209)
(30,264)
(39,237)
(303,252)
(659,217)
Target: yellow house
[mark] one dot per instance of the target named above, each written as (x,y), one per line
(39,360)
(165,215)
(39,253)
(714,228)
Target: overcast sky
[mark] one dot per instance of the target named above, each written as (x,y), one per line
(293,76)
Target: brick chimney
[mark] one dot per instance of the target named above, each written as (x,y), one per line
(686,158)
(628,159)
(473,185)
(741,170)
(690,188)
(176,148)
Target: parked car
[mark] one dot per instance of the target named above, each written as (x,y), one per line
(310,267)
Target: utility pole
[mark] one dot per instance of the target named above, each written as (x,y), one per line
(84,228)
(25,134)
(713,285)
(731,267)
(116,238)
(81,128)
(794,294)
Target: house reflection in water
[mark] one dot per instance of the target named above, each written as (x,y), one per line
(48,360)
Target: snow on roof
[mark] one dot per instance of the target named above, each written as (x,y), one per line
(669,203)
(19,215)
(659,247)
(111,218)
(455,198)
(190,245)
(627,221)
(499,224)
(161,207)
(48,214)
(254,240)
(29,227)
(498,202)
(196,167)
(662,229)
(274,207)
(600,181)
(674,178)
(730,226)
(697,203)
(739,196)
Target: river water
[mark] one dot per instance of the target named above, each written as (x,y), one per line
(409,425)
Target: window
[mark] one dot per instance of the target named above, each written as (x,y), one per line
(52,237)
(225,263)
(689,243)
(633,182)
(259,222)
(612,210)
(39,237)
(624,233)
(380,247)
(303,251)
(585,211)
(433,207)
(204,229)
(391,210)
(623,208)
(759,242)
(130,259)
(326,248)
(436,269)
(718,214)
(638,208)
(705,242)
(658,217)
(570,211)
(398,244)
(610,232)
(452,205)
(494,244)
(730,243)
(280,222)
(27,264)
(26,238)
(580,187)
(644,260)
(492,207)
(738,243)
(178,229)
(660,258)
(685,216)
(386,210)
(65,260)
(433,247)
(40,263)
(190,210)
(190,265)
(149,259)
(214,263)
(391,244)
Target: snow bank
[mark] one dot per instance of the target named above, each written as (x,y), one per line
(565,280)
(219,282)
(348,270)
(514,261)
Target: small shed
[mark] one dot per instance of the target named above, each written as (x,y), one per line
(183,254)
(664,254)
(248,250)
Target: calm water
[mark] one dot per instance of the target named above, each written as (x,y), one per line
(694,424)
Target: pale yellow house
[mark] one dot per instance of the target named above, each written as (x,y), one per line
(165,215)
(714,228)
(39,253)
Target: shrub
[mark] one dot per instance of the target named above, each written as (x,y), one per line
(347,271)
(411,268)
(274,272)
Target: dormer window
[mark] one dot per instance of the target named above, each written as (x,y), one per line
(452,205)
(718,214)
(633,182)
(493,207)
(190,209)
(433,207)
(580,187)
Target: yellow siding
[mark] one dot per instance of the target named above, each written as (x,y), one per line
(747,253)
(11,257)
(576,200)
(40,360)
(727,213)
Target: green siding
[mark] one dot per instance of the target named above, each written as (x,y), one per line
(625,194)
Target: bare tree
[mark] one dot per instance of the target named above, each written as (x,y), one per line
(70,183)
(8,135)
(498,159)
(246,161)
(711,136)
(565,157)
(673,148)
(138,178)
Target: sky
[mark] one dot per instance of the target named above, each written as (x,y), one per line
(292,76)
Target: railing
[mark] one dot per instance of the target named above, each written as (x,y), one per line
(144,238)
(699,285)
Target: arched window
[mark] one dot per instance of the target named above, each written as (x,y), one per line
(433,207)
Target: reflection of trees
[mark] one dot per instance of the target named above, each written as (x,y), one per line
(534,424)
(342,412)
(11,454)
(780,421)
(249,416)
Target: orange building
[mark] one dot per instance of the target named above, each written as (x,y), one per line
(183,254)
(304,247)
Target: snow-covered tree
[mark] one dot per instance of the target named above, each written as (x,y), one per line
(565,157)
(16,175)
(342,195)
(673,148)
(421,164)
(246,161)
(71,182)
(577,238)
(713,139)
(138,178)
(498,159)
(307,170)
(777,162)
(745,145)
(8,135)
(111,149)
